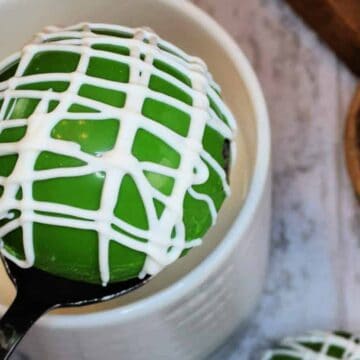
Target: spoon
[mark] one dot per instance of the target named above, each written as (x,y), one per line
(38,292)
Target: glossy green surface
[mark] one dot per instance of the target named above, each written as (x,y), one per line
(73,253)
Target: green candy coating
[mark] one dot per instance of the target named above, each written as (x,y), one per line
(74,253)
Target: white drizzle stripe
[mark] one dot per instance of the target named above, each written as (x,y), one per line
(218,169)
(128,60)
(170,59)
(12,124)
(162,247)
(177,62)
(209,202)
(215,122)
(104,84)
(296,347)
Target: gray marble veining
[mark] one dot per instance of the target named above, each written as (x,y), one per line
(314,276)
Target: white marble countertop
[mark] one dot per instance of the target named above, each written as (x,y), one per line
(314,275)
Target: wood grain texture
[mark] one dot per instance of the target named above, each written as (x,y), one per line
(338,23)
(352,142)
(314,275)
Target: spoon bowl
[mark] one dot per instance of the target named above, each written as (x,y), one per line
(37,292)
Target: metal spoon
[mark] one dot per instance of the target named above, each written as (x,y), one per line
(38,292)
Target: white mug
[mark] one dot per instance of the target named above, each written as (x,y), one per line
(193,306)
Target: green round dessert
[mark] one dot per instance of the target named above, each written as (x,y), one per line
(113,153)
(317,346)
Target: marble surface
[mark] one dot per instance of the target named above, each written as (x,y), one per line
(314,275)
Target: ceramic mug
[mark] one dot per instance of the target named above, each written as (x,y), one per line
(193,306)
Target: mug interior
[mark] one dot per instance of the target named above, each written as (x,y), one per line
(177,22)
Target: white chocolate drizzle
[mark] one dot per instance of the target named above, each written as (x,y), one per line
(296,348)
(161,248)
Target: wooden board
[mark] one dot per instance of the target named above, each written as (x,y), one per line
(352,142)
(338,23)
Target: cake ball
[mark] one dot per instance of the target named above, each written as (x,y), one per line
(317,346)
(115,147)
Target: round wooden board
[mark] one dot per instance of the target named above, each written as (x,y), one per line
(352,142)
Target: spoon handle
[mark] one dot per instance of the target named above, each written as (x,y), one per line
(19,318)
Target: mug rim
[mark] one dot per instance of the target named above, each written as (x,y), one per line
(198,275)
